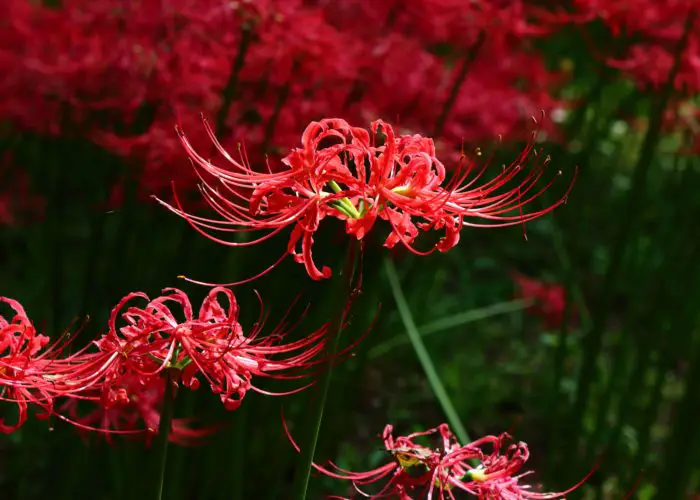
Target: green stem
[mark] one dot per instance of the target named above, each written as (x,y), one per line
(164,429)
(422,353)
(240,438)
(339,296)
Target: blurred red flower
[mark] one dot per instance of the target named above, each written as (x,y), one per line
(549,299)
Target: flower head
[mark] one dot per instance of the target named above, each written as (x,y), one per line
(27,362)
(498,474)
(359,177)
(167,334)
(413,467)
(417,471)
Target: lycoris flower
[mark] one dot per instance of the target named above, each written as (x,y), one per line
(358,177)
(414,469)
(124,378)
(498,474)
(417,471)
(26,366)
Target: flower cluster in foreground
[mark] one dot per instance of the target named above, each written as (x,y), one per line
(360,177)
(417,471)
(122,374)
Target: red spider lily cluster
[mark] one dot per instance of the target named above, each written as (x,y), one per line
(418,470)
(121,375)
(645,43)
(121,74)
(360,176)
(646,38)
(26,363)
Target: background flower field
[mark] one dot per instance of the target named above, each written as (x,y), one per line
(576,332)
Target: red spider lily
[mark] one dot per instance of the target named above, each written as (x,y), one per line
(549,298)
(418,471)
(211,344)
(32,369)
(651,30)
(25,361)
(122,74)
(358,177)
(414,469)
(495,477)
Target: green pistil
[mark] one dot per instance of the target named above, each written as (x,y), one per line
(344,205)
(335,187)
(477,475)
(180,365)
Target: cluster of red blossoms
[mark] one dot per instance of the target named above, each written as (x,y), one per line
(360,176)
(116,384)
(645,42)
(651,30)
(121,73)
(419,471)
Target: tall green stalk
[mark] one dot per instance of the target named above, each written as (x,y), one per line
(339,296)
(683,446)
(449,322)
(422,353)
(164,429)
(238,459)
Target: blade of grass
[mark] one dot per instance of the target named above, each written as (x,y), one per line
(448,322)
(422,353)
